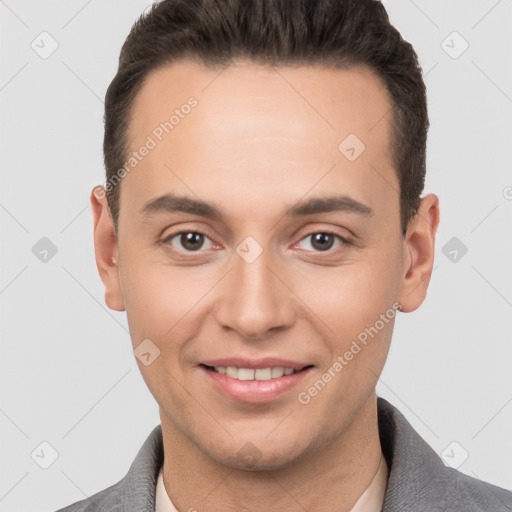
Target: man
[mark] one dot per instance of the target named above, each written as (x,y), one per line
(261,224)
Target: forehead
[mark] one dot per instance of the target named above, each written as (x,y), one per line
(261,126)
(341,99)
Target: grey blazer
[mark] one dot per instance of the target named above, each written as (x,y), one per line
(418,479)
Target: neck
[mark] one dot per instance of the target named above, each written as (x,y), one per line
(338,473)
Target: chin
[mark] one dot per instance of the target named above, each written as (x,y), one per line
(261,455)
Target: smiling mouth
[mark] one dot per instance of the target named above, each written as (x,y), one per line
(261,374)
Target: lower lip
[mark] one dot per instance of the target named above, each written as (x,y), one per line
(254,391)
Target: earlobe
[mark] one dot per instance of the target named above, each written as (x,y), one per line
(419,247)
(105,249)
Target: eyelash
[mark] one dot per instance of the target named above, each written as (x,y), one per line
(343,240)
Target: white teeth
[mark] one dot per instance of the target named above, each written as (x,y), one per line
(245,374)
(253,374)
(232,371)
(263,374)
(277,372)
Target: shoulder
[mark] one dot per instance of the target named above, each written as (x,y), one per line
(420,481)
(453,491)
(136,491)
(108,499)
(462,492)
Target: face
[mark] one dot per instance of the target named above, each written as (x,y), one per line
(260,251)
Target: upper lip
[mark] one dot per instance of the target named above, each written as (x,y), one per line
(265,362)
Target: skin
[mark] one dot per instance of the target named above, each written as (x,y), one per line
(259,141)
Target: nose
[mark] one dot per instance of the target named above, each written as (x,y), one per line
(254,299)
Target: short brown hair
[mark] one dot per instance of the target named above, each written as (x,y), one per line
(336,33)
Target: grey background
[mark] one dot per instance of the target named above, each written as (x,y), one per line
(68,375)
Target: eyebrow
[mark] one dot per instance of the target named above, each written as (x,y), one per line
(329,204)
(170,203)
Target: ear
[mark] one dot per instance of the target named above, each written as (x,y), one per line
(419,248)
(105,249)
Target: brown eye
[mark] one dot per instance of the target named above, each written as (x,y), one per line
(192,241)
(321,241)
(188,241)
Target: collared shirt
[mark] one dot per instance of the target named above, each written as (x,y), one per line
(371,500)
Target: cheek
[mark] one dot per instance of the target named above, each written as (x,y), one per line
(350,298)
(357,307)
(356,304)
(161,301)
